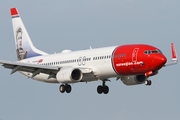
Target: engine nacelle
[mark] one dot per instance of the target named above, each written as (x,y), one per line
(69,75)
(134,80)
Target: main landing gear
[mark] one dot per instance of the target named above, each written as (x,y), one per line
(64,88)
(103,89)
(148,82)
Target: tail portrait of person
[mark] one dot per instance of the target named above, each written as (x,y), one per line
(21,54)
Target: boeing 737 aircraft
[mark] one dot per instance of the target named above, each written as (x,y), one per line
(133,64)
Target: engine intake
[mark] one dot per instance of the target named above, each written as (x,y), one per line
(69,75)
(134,80)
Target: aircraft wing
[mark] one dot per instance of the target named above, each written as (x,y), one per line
(27,67)
(36,69)
(174,57)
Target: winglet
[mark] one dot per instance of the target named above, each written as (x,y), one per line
(14,11)
(174,56)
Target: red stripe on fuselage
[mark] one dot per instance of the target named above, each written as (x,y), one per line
(131,59)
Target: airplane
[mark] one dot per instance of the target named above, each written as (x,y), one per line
(134,64)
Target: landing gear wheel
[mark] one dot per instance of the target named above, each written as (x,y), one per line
(100,89)
(62,88)
(106,89)
(103,88)
(68,88)
(148,82)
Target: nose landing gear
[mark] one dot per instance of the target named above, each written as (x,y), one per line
(148,82)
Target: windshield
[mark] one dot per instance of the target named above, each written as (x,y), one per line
(152,51)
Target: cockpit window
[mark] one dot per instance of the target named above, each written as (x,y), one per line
(152,51)
(159,51)
(145,52)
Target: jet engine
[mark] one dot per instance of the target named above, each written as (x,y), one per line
(134,80)
(69,75)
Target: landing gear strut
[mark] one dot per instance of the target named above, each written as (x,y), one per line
(148,82)
(64,88)
(103,89)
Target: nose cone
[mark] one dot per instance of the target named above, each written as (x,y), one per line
(159,61)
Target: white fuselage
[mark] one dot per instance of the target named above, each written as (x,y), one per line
(99,60)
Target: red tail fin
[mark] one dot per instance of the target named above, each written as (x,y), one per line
(14,11)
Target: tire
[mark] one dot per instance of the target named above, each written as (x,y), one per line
(146,82)
(62,88)
(68,88)
(149,82)
(106,89)
(100,89)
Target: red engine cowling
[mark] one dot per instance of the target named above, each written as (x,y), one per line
(69,75)
(134,80)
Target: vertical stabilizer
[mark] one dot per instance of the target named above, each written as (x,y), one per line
(24,46)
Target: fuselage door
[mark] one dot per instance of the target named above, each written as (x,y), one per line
(134,54)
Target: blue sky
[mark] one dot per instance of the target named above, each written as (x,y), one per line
(67,24)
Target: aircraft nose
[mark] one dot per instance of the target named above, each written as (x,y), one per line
(163,59)
(160,60)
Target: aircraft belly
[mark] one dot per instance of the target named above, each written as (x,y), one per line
(40,77)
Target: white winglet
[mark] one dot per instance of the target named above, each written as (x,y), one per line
(174,56)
